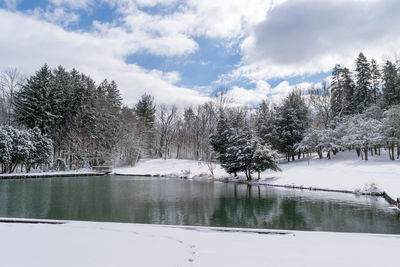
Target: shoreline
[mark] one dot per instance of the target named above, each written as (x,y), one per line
(47,175)
(383,194)
(255,182)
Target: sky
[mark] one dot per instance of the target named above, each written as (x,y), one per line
(181,52)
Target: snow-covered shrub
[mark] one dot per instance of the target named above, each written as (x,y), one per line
(23,148)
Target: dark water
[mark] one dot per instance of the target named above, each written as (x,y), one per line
(184,202)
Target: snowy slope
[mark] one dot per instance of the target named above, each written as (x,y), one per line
(115,244)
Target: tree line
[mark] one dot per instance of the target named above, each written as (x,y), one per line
(88,125)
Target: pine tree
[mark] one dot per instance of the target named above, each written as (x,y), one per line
(264,158)
(34,103)
(145,111)
(221,140)
(337,91)
(291,123)
(375,81)
(348,102)
(390,86)
(363,93)
(265,125)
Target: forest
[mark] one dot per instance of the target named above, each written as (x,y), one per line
(63,119)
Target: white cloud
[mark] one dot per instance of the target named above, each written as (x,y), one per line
(74,4)
(278,38)
(27,43)
(309,36)
(55,15)
(263,90)
(11,4)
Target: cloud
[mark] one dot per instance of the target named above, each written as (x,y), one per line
(27,43)
(263,90)
(11,4)
(309,36)
(55,15)
(277,39)
(74,4)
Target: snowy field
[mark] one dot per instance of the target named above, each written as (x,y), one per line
(343,172)
(115,244)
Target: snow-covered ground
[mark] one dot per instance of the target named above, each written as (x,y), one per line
(343,172)
(116,244)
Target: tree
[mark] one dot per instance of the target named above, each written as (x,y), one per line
(145,111)
(221,139)
(391,124)
(337,91)
(11,81)
(375,81)
(264,158)
(246,153)
(391,90)
(320,101)
(33,104)
(265,124)
(363,93)
(291,123)
(165,129)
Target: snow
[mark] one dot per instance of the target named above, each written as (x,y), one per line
(345,171)
(172,168)
(116,244)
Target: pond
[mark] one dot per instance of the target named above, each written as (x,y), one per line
(186,202)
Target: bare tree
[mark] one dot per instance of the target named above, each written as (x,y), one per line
(167,118)
(11,81)
(320,102)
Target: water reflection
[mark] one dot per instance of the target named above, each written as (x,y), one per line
(183,202)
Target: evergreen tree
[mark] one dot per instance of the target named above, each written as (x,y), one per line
(390,85)
(221,140)
(34,104)
(264,158)
(291,123)
(375,81)
(337,91)
(349,104)
(363,96)
(265,125)
(145,111)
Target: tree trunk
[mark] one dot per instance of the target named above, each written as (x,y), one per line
(328,155)
(392,152)
(248,174)
(366,153)
(358,152)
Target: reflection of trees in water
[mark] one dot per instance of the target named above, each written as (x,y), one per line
(253,207)
(166,201)
(262,207)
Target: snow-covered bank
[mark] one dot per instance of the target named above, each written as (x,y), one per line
(116,244)
(49,174)
(343,172)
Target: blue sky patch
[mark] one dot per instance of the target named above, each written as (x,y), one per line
(201,68)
